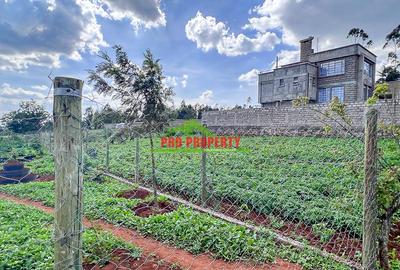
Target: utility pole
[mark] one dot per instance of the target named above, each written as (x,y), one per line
(67,112)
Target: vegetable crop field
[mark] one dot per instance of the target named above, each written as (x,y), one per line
(308,189)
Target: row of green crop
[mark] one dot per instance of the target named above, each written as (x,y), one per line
(26,240)
(312,180)
(184,228)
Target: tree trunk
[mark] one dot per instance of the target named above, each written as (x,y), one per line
(153,167)
(383,254)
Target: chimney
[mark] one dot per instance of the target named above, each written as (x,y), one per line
(306,49)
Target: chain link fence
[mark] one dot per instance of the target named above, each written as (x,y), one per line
(251,200)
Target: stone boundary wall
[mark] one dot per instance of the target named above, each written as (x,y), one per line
(289,120)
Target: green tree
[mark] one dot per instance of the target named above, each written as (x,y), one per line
(186,111)
(388,74)
(204,108)
(29,117)
(393,39)
(359,34)
(107,115)
(391,72)
(88,117)
(140,89)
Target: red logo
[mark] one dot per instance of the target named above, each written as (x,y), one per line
(200,142)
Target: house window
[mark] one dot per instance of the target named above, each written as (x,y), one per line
(368,69)
(281,83)
(295,80)
(331,68)
(324,95)
(313,81)
(368,92)
(338,92)
(327,94)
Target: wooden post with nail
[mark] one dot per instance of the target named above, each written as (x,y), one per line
(67,112)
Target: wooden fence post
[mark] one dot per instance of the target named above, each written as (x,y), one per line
(107,150)
(137,160)
(50,144)
(204,188)
(370,207)
(67,111)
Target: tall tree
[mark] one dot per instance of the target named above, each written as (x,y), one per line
(359,34)
(186,111)
(140,89)
(88,117)
(388,74)
(29,117)
(393,38)
(391,71)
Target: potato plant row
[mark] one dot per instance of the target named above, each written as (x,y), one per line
(183,228)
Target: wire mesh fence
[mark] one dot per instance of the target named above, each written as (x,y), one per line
(250,198)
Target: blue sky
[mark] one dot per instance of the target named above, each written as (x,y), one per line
(210,50)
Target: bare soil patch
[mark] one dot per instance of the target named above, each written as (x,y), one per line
(45,178)
(394,239)
(138,193)
(146,209)
(122,261)
(153,208)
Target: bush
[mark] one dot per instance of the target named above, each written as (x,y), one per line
(189,128)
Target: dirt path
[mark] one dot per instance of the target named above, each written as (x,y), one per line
(165,252)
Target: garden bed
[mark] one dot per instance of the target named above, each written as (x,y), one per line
(122,260)
(149,206)
(336,242)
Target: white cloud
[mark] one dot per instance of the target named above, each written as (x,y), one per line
(262,24)
(51,30)
(286,57)
(42,37)
(209,34)
(184,80)
(205,98)
(11,96)
(250,77)
(140,13)
(41,87)
(206,95)
(174,81)
(171,81)
(327,20)
(18,93)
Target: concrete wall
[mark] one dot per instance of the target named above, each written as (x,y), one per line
(348,79)
(394,89)
(281,120)
(270,89)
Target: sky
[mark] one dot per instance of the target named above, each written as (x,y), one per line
(211,51)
